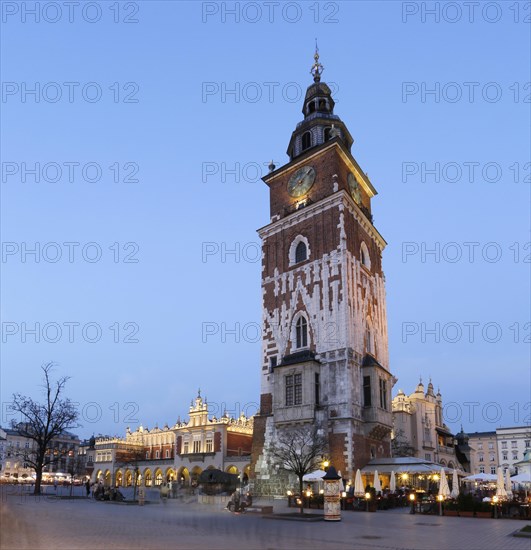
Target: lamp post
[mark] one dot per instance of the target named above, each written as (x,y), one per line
(367,498)
(440,498)
(412,500)
(495,502)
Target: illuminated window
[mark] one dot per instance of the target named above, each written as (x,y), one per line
(209,445)
(186,447)
(197,446)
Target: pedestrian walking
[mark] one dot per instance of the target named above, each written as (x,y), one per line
(55,485)
(87,487)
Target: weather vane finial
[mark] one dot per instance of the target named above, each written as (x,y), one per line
(317,69)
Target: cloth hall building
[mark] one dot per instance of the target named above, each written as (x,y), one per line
(178,453)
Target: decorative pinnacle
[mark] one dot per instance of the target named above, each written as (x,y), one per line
(317,69)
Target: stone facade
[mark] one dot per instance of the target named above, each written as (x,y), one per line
(178,453)
(418,419)
(324,314)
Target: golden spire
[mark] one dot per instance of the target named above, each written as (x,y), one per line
(317,69)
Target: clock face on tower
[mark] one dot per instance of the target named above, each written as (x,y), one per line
(301,181)
(354,188)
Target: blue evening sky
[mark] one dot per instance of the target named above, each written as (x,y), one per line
(164,115)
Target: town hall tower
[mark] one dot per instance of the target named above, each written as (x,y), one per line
(324,325)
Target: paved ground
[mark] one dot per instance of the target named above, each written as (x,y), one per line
(49,523)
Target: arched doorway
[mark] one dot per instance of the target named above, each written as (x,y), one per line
(158,477)
(246,472)
(170,475)
(107,478)
(183,476)
(128,478)
(99,475)
(148,481)
(196,472)
(232,470)
(118,478)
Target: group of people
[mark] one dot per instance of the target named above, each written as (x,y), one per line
(239,504)
(101,492)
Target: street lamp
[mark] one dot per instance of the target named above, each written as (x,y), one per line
(412,500)
(440,498)
(495,503)
(367,498)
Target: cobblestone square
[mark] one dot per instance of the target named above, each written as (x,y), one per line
(29,522)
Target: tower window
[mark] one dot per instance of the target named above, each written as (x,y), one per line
(322,105)
(301,333)
(368,342)
(306,140)
(365,258)
(272,363)
(293,390)
(301,254)
(317,389)
(311,107)
(367,401)
(326,134)
(383,393)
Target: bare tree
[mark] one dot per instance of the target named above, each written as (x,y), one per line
(299,450)
(42,422)
(130,457)
(400,445)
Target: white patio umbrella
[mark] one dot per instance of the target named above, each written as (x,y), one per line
(377,485)
(455,485)
(500,485)
(508,485)
(359,490)
(480,477)
(392,483)
(317,475)
(444,490)
(522,478)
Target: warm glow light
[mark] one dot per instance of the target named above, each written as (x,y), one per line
(495,499)
(412,496)
(289,493)
(326,463)
(321,492)
(404,476)
(308,493)
(440,498)
(368,496)
(344,494)
(436,477)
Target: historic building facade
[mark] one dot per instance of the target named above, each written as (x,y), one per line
(17,448)
(418,421)
(484,456)
(178,453)
(324,347)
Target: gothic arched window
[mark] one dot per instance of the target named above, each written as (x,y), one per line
(364,256)
(301,253)
(301,332)
(306,140)
(311,107)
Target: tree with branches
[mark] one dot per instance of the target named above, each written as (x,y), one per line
(299,450)
(42,422)
(400,445)
(130,457)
